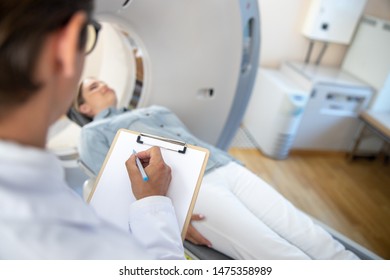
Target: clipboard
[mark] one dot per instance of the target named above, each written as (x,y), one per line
(111,195)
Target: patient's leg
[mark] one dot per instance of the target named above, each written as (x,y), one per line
(246,218)
(234,230)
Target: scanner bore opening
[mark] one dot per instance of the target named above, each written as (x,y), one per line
(119,61)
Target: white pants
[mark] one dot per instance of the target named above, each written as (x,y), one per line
(245,218)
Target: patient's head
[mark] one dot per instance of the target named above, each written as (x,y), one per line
(94,96)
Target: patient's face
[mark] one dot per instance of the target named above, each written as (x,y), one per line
(98,95)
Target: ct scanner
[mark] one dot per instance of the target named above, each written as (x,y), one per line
(198,58)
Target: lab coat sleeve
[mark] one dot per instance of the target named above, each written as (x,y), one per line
(154,224)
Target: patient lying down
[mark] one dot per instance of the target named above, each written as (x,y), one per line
(242,216)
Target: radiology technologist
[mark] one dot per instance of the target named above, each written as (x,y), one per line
(42,50)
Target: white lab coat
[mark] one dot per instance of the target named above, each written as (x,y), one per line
(42,218)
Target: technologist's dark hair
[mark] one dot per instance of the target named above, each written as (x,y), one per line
(23,27)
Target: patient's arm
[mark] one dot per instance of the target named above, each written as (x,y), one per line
(93,148)
(193,235)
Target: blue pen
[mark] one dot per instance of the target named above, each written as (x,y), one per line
(140,167)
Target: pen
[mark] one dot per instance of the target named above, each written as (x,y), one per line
(140,167)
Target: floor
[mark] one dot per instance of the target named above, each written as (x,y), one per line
(352,198)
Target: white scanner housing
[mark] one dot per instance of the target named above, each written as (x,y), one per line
(198,58)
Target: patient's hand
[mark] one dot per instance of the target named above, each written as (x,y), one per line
(193,235)
(158,171)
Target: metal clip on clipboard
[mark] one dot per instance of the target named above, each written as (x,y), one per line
(166,143)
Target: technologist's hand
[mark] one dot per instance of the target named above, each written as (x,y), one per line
(193,235)
(158,171)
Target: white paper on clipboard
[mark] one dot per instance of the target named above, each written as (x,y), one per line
(111,196)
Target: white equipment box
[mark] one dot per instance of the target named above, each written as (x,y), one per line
(333,20)
(274,112)
(330,119)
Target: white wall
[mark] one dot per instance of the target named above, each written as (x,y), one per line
(281,24)
(378,8)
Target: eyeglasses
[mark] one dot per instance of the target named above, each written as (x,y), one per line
(92,32)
